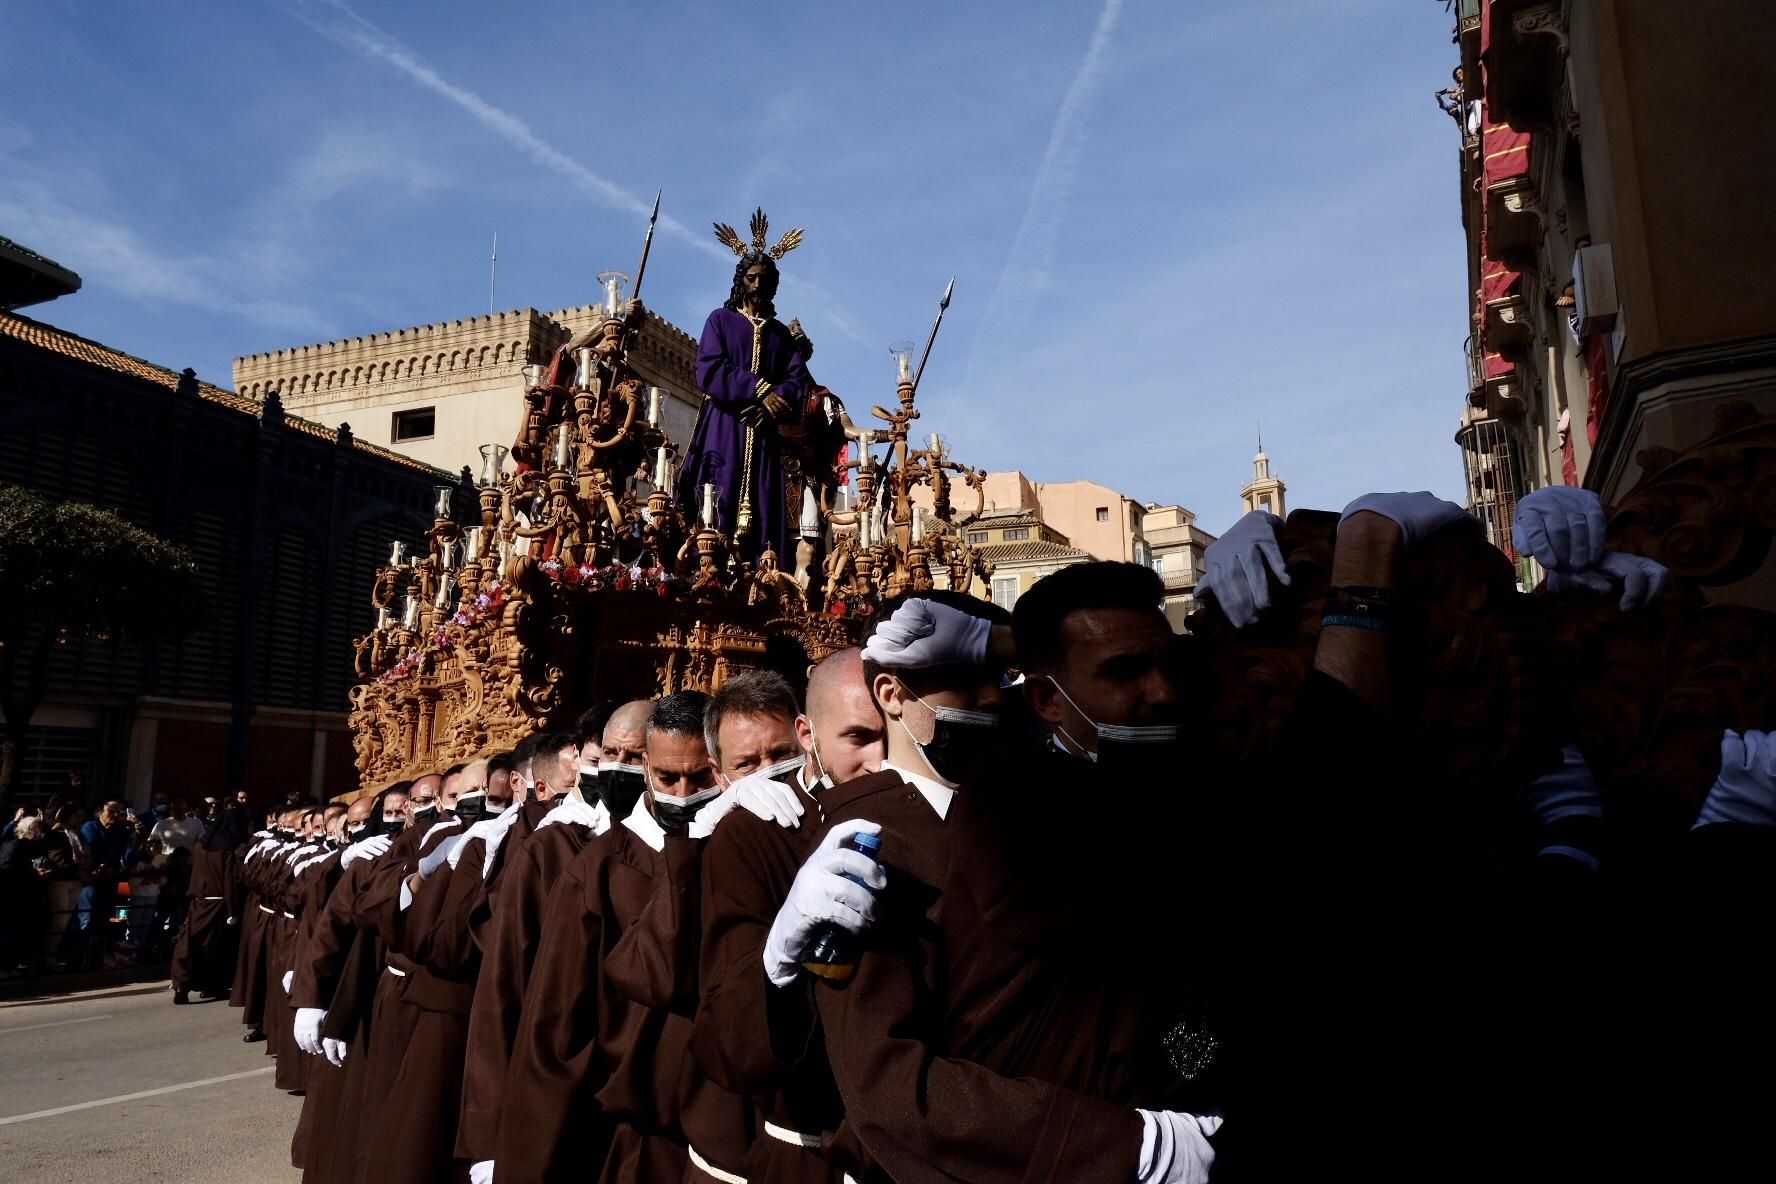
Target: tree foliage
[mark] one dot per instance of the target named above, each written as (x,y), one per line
(70,570)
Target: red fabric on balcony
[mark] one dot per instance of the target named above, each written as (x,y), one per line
(1596,385)
(1504,152)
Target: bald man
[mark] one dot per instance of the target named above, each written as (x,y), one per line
(533,865)
(754,1038)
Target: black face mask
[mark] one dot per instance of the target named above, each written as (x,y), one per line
(589,787)
(425,814)
(960,740)
(620,787)
(391,829)
(674,814)
(471,808)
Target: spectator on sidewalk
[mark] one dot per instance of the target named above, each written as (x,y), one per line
(109,845)
(24,899)
(177,830)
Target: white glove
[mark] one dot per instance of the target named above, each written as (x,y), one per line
(481,1173)
(230,921)
(571,810)
(1235,565)
(1175,1147)
(836,886)
(1560,527)
(1745,792)
(1641,580)
(924,633)
(334,1051)
(1418,515)
(289,977)
(434,859)
(374,847)
(1566,791)
(308,1029)
(704,820)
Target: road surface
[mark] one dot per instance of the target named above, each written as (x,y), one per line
(122,1085)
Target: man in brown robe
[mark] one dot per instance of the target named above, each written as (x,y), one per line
(534,866)
(752,1036)
(204,952)
(337,975)
(259,867)
(590,1067)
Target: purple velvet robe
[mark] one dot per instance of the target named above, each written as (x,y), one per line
(716,453)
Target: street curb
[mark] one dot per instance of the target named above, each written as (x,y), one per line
(56,988)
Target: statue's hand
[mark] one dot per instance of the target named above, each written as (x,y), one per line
(776,405)
(634,312)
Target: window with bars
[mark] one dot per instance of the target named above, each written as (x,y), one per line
(1016,534)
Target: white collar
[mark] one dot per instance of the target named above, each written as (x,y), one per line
(936,793)
(644,825)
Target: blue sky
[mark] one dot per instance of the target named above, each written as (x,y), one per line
(1167,219)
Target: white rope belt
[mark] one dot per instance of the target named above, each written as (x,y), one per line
(710,1169)
(396,973)
(794,1138)
(268,912)
(292,916)
(211,898)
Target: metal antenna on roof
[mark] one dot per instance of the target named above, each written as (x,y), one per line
(493,274)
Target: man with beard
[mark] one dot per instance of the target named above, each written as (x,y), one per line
(204,952)
(587,1061)
(755,376)
(515,931)
(752,1036)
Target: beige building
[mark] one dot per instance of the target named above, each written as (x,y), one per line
(1106,524)
(1177,544)
(1263,491)
(438,392)
(1022,549)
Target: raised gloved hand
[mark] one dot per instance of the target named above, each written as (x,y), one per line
(1418,515)
(373,847)
(1175,1147)
(770,799)
(1641,580)
(1235,568)
(334,1051)
(1560,527)
(481,1172)
(308,1029)
(434,859)
(923,633)
(836,886)
(1745,791)
(571,810)
(289,977)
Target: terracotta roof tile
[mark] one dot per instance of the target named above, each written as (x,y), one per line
(69,345)
(1029,551)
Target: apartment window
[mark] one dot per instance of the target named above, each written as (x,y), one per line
(1005,591)
(1143,553)
(1017,535)
(417,424)
(977,536)
(1103,513)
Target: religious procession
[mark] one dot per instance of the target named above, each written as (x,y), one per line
(646,763)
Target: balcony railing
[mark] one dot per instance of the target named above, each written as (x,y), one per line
(1476,373)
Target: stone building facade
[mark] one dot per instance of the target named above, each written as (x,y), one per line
(438,392)
(1614,186)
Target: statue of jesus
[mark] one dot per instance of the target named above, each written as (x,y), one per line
(754,373)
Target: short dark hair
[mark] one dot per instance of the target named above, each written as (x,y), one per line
(754,693)
(524,752)
(453,770)
(679,714)
(1040,613)
(933,677)
(589,728)
(499,762)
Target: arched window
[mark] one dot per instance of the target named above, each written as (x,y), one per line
(497,351)
(398,366)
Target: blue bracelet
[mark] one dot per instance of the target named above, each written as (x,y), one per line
(1373,624)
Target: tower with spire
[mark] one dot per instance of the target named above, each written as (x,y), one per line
(1264,492)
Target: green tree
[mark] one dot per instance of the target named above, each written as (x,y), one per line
(70,570)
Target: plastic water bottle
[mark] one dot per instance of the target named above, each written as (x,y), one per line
(833,953)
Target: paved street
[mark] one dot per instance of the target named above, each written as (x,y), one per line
(122,1085)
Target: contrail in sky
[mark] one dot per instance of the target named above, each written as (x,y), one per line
(1028,269)
(355,33)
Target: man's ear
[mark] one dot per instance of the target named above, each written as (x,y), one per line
(1043,698)
(804,729)
(889,695)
